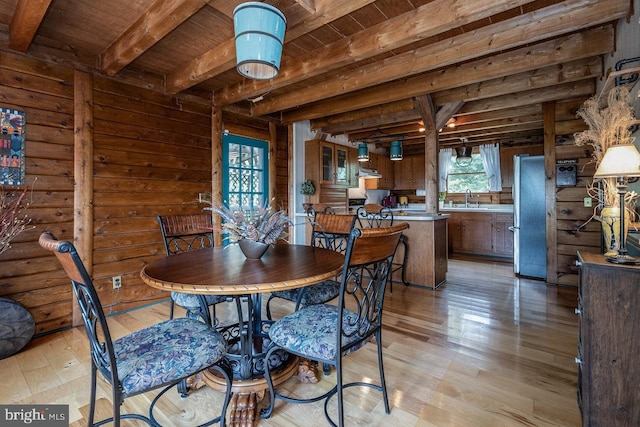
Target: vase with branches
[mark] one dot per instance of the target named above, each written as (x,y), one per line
(13,219)
(608,124)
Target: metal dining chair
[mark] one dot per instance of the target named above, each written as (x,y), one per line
(158,356)
(327,333)
(181,233)
(329,231)
(374,216)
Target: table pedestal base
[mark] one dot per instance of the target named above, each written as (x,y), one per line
(243,409)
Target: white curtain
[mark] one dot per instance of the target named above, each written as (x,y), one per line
(490,155)
(444,164)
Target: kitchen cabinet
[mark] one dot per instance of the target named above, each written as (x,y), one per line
(328,164)
(506,160)
(608,342)
(481,233)
(353,167)
(385,168)
(502,237)
(372,163)
(409,173)
(475,233)
(334,164)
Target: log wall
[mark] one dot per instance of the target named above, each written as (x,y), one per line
(574,231)
(151,156)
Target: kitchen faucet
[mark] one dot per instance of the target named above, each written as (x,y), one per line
(467,195)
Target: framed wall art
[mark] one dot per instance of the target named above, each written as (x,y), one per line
(12,142)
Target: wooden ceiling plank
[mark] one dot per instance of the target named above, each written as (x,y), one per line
(493,124)
(372,117)
(429,20)
(25,22)
(223,58)
(211,63)
(561,18)
(225,7)
(364,113)
(371,123)
(565,91)
(586,44)
(492,132)
(505,113)
(579,69)
(162,17)
(308,5)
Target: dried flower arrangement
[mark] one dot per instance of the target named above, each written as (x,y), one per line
(608,125)
(13,220)
(259,225)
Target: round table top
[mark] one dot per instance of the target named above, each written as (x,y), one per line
(226,271)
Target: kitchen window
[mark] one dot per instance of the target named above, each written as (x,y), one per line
(472,177)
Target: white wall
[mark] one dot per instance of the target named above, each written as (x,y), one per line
(302,132)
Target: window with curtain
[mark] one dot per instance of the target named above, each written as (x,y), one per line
(490,154)
(472,177)
(245,175)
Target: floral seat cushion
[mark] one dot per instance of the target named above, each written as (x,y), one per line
(190,301)
(311,332)
(165,352)
(314,294)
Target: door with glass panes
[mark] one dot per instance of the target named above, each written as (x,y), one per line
(245,177)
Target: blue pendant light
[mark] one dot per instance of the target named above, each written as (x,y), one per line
(259,30)
(396,150)
(363,152)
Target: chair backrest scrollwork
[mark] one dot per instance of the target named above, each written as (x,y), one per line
(183,233)
(331,231)
(374,216)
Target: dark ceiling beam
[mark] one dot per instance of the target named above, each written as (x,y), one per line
(555,20)
(593,42)
(25,22)
(436,17)
(153,25)
(223,57)
(372,117)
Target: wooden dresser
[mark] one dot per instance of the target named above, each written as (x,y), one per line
(609,342)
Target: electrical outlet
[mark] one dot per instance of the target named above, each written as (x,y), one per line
(587,202)
(116,281)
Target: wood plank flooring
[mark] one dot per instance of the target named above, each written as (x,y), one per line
(487,349)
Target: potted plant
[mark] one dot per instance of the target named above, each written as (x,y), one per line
(609,125)
(442,195)
(253,229)
(307,189)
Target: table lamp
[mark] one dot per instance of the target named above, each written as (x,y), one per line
(620,161)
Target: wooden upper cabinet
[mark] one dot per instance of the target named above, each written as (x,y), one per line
(328,164)
(409,173)
(385,168)
(506,160)
(353,167)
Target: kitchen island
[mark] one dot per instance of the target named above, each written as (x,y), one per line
(427,253)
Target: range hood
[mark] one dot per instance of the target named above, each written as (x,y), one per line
(368,173)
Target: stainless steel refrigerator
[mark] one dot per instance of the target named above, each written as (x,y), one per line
(529,217)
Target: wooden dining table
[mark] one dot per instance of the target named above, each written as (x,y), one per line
(226,271)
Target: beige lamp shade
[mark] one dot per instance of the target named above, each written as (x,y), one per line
(621,160)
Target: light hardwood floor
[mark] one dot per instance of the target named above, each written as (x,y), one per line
(487,349)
